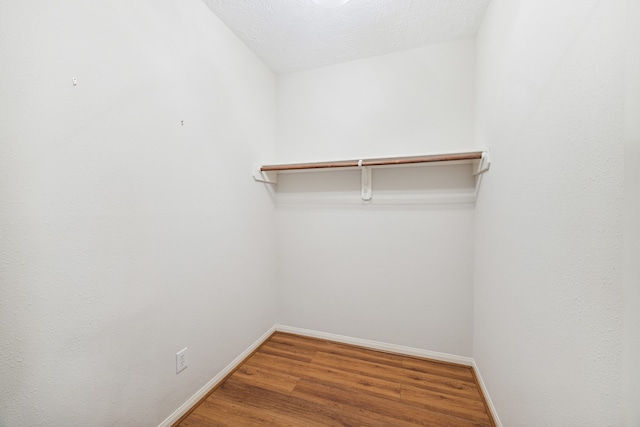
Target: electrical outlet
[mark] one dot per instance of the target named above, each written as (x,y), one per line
(181,360)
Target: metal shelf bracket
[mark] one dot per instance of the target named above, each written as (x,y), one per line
(484,164)
(366,181)
(266,177)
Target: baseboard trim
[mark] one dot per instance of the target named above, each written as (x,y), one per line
(377,345)
(487,398)
(215,381)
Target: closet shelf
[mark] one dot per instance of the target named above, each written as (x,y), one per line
(269,173)
(388,161)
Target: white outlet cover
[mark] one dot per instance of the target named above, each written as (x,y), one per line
(181,360)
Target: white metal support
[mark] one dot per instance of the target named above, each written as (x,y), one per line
(266,177)
(366,181)
(483,166)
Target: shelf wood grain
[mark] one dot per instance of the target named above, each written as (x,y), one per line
(388,161)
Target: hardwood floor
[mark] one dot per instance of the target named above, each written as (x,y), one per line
(297,381)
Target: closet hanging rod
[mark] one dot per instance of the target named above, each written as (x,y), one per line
(389,161)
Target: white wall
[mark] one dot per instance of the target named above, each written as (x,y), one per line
(631,271)
(125,236)
(401,103)
(396,272)
(548,294)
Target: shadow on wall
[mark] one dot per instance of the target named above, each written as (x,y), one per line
(398,186)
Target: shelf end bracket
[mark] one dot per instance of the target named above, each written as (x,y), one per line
(483,166)
(266,177)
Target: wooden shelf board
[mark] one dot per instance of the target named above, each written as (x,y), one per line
(388,161)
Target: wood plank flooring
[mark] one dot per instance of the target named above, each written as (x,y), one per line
(297,381)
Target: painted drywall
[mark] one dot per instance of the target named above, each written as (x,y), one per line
(402,103)
(548,294)
(397,272)
(631,271)
(130,227)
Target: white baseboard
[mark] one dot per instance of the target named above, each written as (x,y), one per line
(485,392)
(376,345)
(184,408)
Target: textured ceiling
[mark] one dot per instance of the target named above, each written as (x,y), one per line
(292,35)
